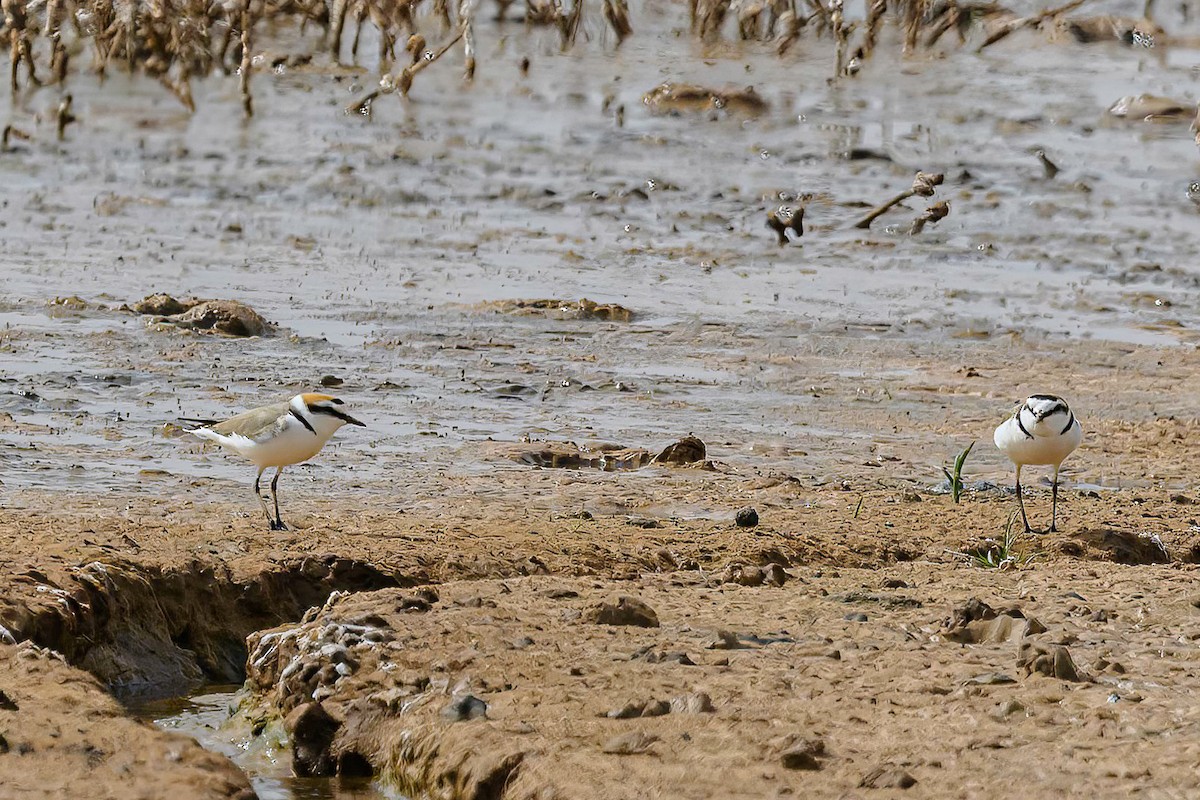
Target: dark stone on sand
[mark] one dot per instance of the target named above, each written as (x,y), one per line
(1053,661)
(162,305)
(798,752)
(3,745)
(312,730)
(656,708)
(743,575)
(627,711)
(652,656)
(727,640)
(625,611)
(6,702)
(465,707)
(746,518)
(799,758)
(855,616)
(331,381)
(775,575)
(694,703)
(989,679)
(887,778)
(228,317)
(687,450)
(894,583)
(889,601)
(628,744)
(974,609)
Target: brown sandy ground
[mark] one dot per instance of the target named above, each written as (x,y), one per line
(150,594)
(62,735)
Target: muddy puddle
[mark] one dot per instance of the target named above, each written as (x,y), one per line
(266,758)
(380,245)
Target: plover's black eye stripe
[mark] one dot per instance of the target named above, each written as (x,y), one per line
(337,402)
(303,421)
(333,412)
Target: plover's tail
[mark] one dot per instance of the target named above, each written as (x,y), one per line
(206,433)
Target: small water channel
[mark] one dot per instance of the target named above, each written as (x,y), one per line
(266,758)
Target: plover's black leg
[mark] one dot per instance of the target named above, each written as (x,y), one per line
(277,523)
(1054,503)
(1021,502)
(261,501)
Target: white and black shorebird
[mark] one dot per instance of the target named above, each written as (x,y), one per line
(1043,431)
(278,435)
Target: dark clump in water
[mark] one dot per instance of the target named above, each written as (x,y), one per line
(262,753)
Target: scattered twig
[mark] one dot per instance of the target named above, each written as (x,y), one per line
(616,12)
(247,24)
(11,133)
(65,116)
(932,214)
(1048,166)
(923,186)
(1017,23)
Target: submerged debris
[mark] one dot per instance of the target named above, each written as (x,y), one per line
(561,309)
(923,185)
(784,219)
(227,317)
(1152,108)
(937,211)
(684,98)
(605,457)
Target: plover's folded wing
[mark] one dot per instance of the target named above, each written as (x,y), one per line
(196,421)
(256,424)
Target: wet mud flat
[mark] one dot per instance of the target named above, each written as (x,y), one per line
(533,284)
(846,643)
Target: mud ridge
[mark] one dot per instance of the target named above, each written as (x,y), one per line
(152,630)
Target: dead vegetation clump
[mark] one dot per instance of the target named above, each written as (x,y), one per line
(174,41)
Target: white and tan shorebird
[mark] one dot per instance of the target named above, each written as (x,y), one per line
(278,435)
(1042,431)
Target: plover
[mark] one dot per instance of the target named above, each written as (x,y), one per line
(278,435)
(1043,431)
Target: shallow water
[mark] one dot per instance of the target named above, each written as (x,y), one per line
(372,242)
(265,760)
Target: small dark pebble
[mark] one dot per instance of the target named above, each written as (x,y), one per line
(989,679)
(656,708)
(801,753)
(468,706)
(888,778)
(746,518)
(330,381)
(627,711)
(855,616)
